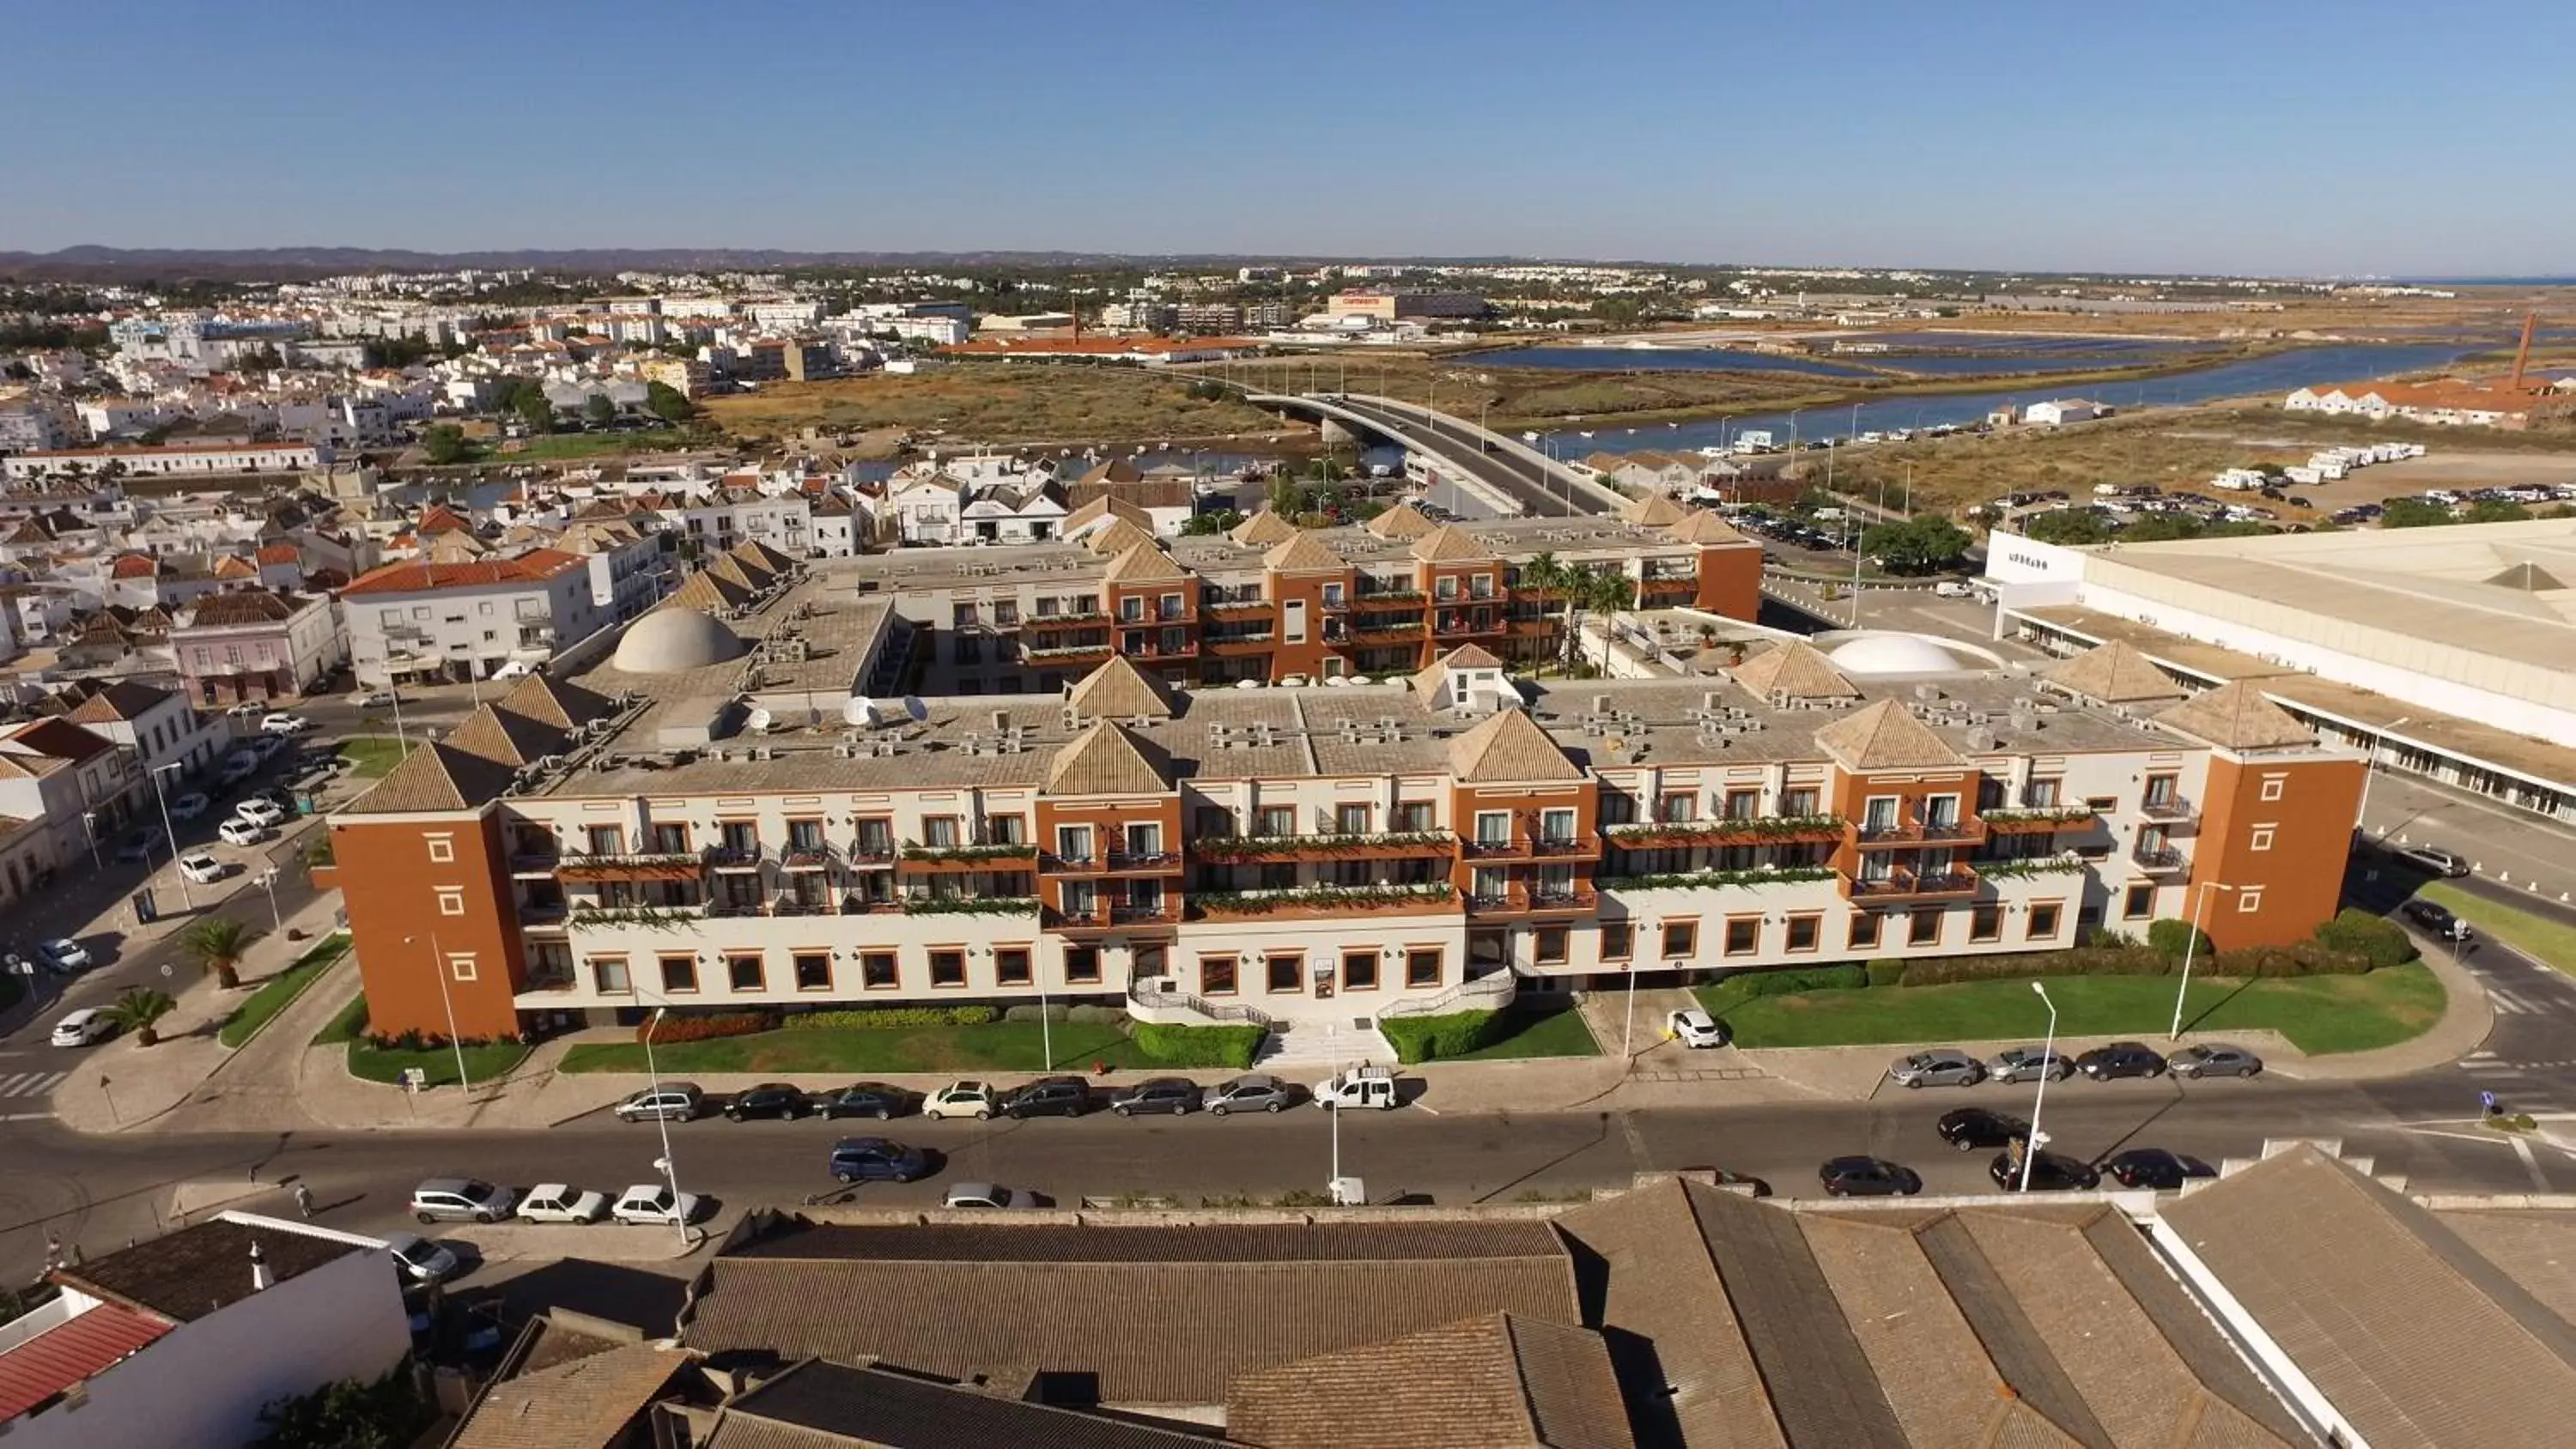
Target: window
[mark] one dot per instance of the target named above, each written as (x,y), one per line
(1011,965)
(878,971)
(1878,816)
(1283,974)
(2249,901)
(939,832)
(1421,968)
(745,972)
(1082,964)
(1806,933)
(1741,804)
(605,840)
(947,967)
(1351,819)
(608,975)
(1414,817)
(1488,883)
(2273,785)
(1145,838)
(1212,822)
(1863,932)
(2141,901)
(460,965)
(679,974)
(1445,587)
(813,970)
(1073,842)
(1676,809)
(2042,794)
(1681,939)
(442,849)
(2043,920)
(1359,970)
(1986,922)
(805,835)
(1556,825)
(2102,804)
(1282,875)
(1216,975)
(1941,811)
(1923,928)
(2262,838)
(1274,820)
(1548,945)
(1743,935)
(451,900)
(1493,827)
(1618,939)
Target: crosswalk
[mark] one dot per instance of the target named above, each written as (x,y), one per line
(2509,1004)
(26,1086)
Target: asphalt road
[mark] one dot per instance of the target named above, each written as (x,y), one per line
(1512,476)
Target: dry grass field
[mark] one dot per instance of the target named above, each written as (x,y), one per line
(999,402)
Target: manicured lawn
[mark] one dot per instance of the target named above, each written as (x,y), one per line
(2319,1014)
(278,990)
(382,1064)
(372,755)
(345,1027)
(2532,934)
(1538,1034)
(1009,1046)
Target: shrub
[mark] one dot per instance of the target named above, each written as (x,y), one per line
(706,1028)
(1198,1046)
(1887,971)
(1089,1014)
(2356,932)
(2300,958)
(1049,1012)
(891,1018)
(1430,1038)
(2177,939)
(1746,985)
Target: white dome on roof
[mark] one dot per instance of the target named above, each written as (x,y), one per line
(1893,654)
(673,640)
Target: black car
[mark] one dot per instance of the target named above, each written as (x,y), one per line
(2120,1059)
(2048,1172)
(2437,920)
(769,1099)
(1867,1177)
(1970,1128)
(1050,1097)
(1175,1095)
(876,1159)
(868,1099)
(2152,1167)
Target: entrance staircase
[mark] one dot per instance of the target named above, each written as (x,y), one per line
(1316,1046)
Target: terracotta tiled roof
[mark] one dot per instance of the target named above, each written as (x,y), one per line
(439,518)
(551,701)
(1796,670)
(241,606)
(1508,747)
(414,578)
(133,566)
(1885,736)
(234,566)
(279,553)
(55,739)
(1402,523)
(1449,544)
(1106,506)
(506,738)
(1115,470)
(821,1405)
(2114,673)
(1303,555)
(588,1403)
(757,555)
(1653,510)
(1145,564)
(2236,716)
(1496,1381)
(123,701)
(433,779)
(1113,539)
(708,593)
(199,1271)
(1119,690)
(1704,528)
(1264,529)
(1109,759)
(1429,680)
(36,1371)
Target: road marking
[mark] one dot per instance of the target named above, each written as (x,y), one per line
(30,1084)
(2530,1164)
(28,1117)
(2505,1003)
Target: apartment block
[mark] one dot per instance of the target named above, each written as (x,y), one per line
(732,812)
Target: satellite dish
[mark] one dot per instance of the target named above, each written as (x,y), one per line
(860,712)
(913,708)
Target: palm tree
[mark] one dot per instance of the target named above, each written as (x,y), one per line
(1545,575)
(216,943)
(1600,591)
(138,1010)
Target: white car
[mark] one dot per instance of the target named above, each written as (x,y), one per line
(64,954)
(247,709)
(991,1195)
(555,1202)
(201,868)
(962,1099)
(372,698)
(1695,1028)
(241,832)
(83,1028)
(189,806)
(258,811)
(515,669)
(283,724)
(651,1203)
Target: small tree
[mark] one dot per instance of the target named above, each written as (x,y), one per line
(534,410)
(599,412)
(217,943)
(2412,513)
(443,443)
(667,402)
(139,1011)
(386,1414)
(2070,526)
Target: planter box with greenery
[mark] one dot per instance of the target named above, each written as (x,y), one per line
(1231,1047)
(280,991)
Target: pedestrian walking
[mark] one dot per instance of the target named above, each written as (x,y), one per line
(304,1200)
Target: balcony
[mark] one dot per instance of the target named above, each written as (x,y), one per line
(967,857)
(1532,901)
(1065,652)
(2037,820)
(1322,902)
(869,853)
(857,905)
(1534,847)
(1728,830)
(735,857)
(805,856)
(1226,645)
(1234,606)
(546,913)
(628,866)
(792,906)
(2158,859)
(1116,862)
(1111,915)
(1968,830)
(1386,598)
(1956,881)
(1387,624)
(1152,649)
(1391,845)
(1457,626)
(535,862)
(2170,810)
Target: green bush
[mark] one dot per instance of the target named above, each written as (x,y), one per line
(2300,958)
(706,1028)
(1048,1012)
(2306,958)
(891,1018)
(1430,1038)
(1796,981)
(1090,1015)
(1887,971)
(2356,932)
(2177,939)
(1198,1046)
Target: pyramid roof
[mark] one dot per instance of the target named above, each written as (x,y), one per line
(1702,527)
(2237,716)
(1449,544)
(1119,690)
(1402,523)
(1509,745)
(1796,669)
(1653,510)
(708,593)
(1116,538)
(1145,564)
(1430,677)
(1105,506)
(505,738)
(554,702)
(762,557)
(2114,673)
(434,777)
(1264,529)
(1109,759)
(1886,736)
(1303,554)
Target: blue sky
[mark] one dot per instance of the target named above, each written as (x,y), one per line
(2360,137)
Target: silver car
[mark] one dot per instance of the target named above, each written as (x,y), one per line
(2028,1064)
(1942,1067)
(1259,1092)
(2214,1059)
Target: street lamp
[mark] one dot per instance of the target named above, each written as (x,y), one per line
(89,823)
(268,880)
(438,964)
(669,1166)
(2047,1059)
(2190,945)
(1628,1028)
(185,899)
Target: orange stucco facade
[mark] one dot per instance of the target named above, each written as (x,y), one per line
(2273,833)
(428,896)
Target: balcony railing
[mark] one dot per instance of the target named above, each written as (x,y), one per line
(2035,819)
(1958,880)
(813,855)
(1156,993)
(968,854)
(735,857)
(2157,857)
(1532,847)
(1115,862)
(869,852)
(1727,830)
(626,865)
(1321,900)
(1965,830)
(1532,900)
(1224,849)
(2169,809)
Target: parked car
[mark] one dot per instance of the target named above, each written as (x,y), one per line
(259,811)
(2048,1172)
(461,1200)
(1050,1097)
(1943,1067)
(284,724)
(136,849)
(962,1099)
(189,806)
(63,954)
(2153,1167)
(238,766)
(247,709)
(1257,1092)
(2440,862)
(201,868)
(84,1027)
(669,1102)
(992,1195)
(265,746)
(421,1260)
(868,1099)
(2120,1059)
(1695,1028)
(372,698)
(877,1159)
(653,1202)
(2437,920)
(241,832)
(1867,1177)
(1177,1096)
(556,1202)
(2027,1064)
(1369,1087)
(1970,1128)
(2215,1059)
(769,1099)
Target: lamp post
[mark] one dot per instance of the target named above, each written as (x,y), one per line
(2048,1058)
(1628,1028)
(2370,767)
(268,880)
(438,964)
(186,900)
(2189,945)
(669,1165)
(89,823)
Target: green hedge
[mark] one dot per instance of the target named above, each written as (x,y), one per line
(1430,1038)
(2376,939)
(1090,1015)
(1794,981)
(1198,1046)
(1052,1011)
(706,1028)
(2177,938)
(2304,958)
(1887,971)
(891,1018)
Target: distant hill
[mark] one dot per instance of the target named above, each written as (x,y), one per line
(125,264)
